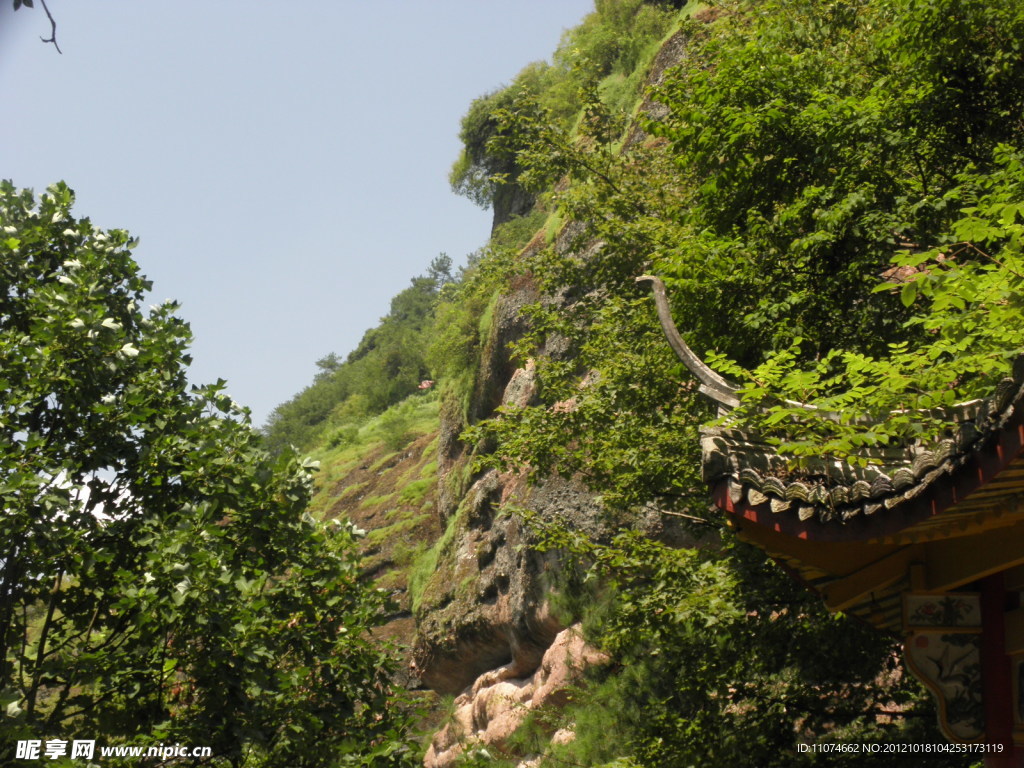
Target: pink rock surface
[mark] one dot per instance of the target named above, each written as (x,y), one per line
(491,709)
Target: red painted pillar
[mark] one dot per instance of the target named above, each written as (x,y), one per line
(996,676)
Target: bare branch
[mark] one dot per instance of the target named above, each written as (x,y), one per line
(53,29)
(692,518)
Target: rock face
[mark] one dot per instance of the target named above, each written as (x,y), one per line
(498,702)
(484,606)
(484,628)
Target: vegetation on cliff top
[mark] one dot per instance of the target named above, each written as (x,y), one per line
(609,51)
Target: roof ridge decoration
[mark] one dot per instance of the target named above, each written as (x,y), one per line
(712,385)
(721,390)
(751,476)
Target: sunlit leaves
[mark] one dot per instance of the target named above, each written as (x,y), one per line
(160,579)
(967,294)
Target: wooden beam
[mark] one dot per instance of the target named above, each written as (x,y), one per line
(854,587)
(1015,579)
(1015,631)
(952,563)
(830,557)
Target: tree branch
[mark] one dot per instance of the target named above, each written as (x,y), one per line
(53,29)
(37,674)
(693,518)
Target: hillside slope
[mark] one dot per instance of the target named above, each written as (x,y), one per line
(547,531)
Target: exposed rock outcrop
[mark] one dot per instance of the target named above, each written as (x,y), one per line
(499,701)
(484,629)
(485,605)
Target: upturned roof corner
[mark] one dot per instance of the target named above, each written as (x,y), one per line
(712,385)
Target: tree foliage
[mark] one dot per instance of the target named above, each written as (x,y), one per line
(480,170)
(387,366)
(963,337)
(832,198)
(160,581)
(608,49)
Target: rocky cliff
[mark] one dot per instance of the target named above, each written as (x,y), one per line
(473,594)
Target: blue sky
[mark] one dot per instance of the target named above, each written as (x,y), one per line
(285,165)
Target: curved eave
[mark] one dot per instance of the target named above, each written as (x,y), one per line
(958,522)
(989,477)
(962,527)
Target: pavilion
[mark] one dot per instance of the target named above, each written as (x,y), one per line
(924,543)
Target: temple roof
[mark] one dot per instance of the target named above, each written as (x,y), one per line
(854,498)
(924,519)
(905,486)
(858,535)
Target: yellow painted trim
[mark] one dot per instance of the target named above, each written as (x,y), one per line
(848,591)
(951,563)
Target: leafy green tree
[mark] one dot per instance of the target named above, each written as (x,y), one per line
(160,580)
(328,364)
(722,659)
(440,271)
(486,171)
